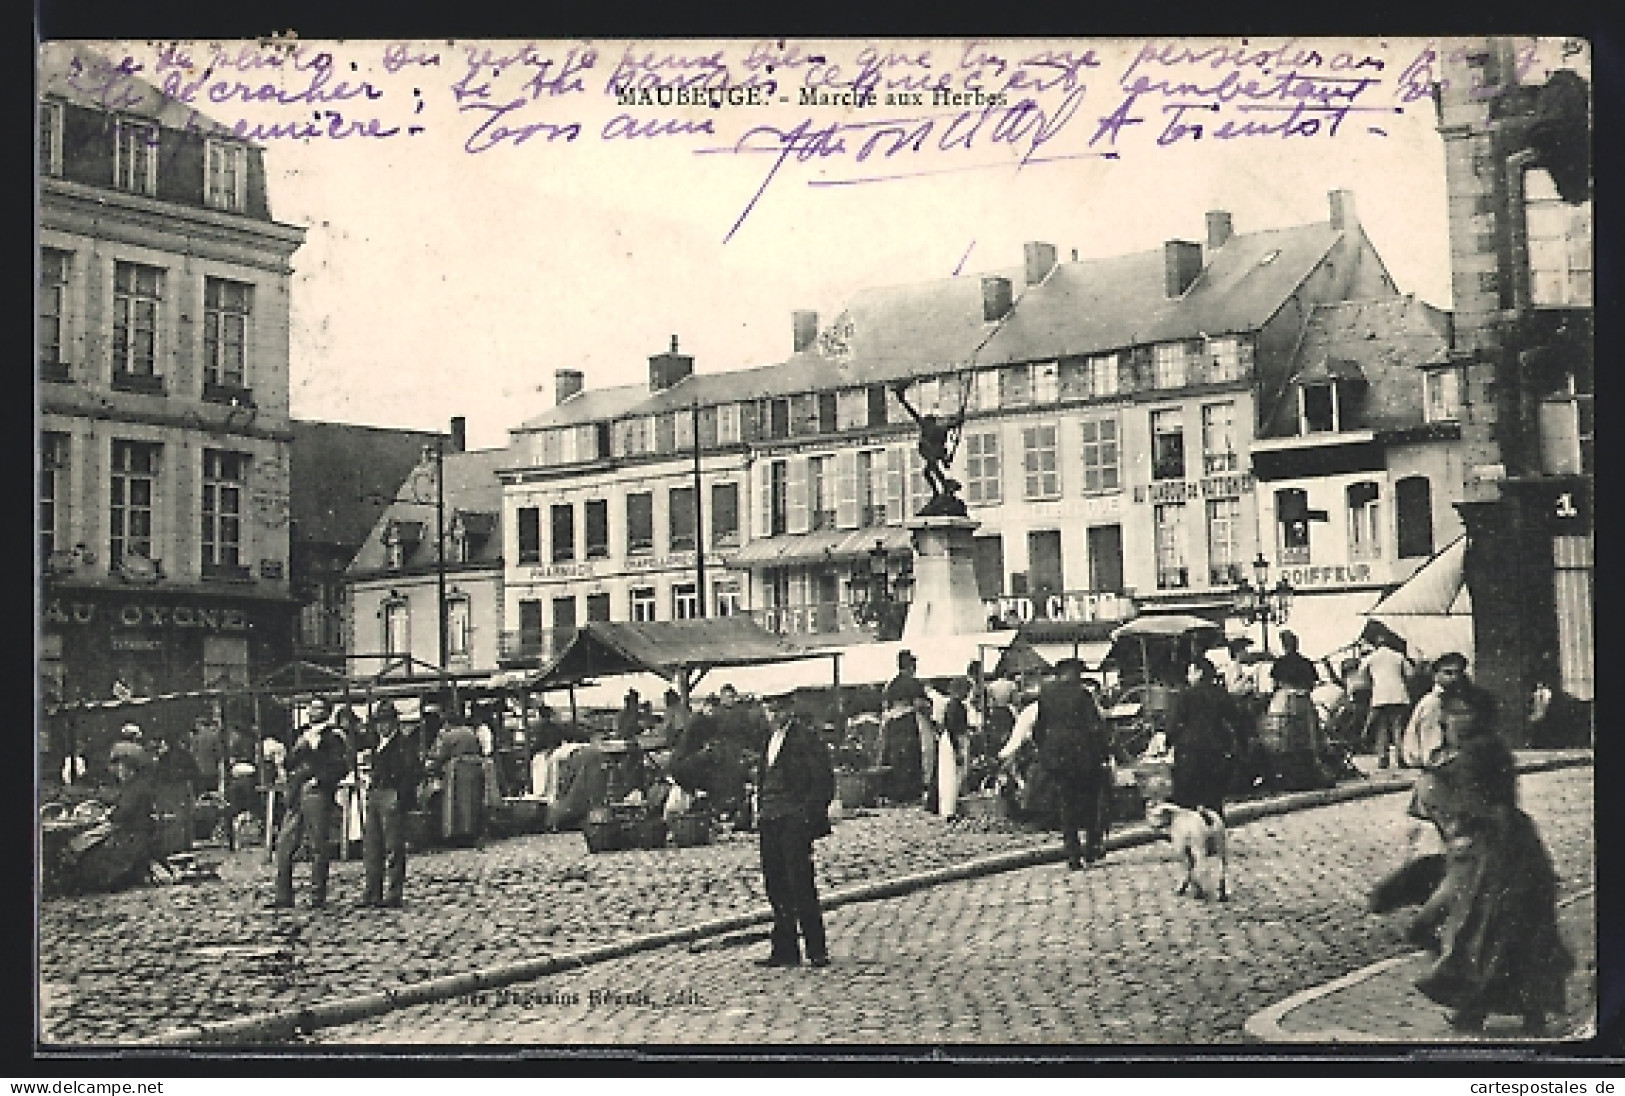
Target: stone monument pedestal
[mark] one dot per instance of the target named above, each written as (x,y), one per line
(945,602)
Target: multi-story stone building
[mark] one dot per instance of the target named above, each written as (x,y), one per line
(1358,461)
(162,340)
(1518,172)
(1109,409)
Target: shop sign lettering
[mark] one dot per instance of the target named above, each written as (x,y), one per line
(1227,486)
(139,615)
(1327,576)
(562,570)
(1081,606)
(1164,492)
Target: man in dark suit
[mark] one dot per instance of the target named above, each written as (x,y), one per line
(391,790)
(320,758)
(795,785)
(1073,749)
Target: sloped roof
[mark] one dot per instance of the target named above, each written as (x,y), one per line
(342,476)
(75,73)
(1388,340)
(603,648)
(472,488)
(589,405)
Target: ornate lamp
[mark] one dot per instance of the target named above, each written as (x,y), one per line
(1256,602)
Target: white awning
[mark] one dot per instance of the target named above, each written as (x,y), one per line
(1432,611)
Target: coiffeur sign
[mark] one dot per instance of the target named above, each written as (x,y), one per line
(135,614)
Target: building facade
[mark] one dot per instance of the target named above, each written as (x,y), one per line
(1515,117)
(395,578)
(1108,408)
(1359,464)
(162,341)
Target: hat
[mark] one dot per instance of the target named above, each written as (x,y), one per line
(128,753)
(385,709)
(131,732)
(906,658)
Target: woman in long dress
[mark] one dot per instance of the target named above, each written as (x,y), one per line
(116,852)
(1201,731)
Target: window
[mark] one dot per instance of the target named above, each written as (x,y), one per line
(778,496)
(1168,365)
(1015,386)
(1559,238)
(397,628)
(1575,597)
(564,614)
(1106,558)
(778,418)
(1168,444)
(827,413)
(983,470)
(228,176)
(530,625)
(225,332)
(1364,521)
(640,522)
(1442,394)
(730,599)
(597,529)
(877,405)
(1040,462)
(1223,541)
(394,548)
(597,606)
(50,138)
(1223,360)
(1317,408)
(53,293)
(563,530)
(134,497)
(851,409)
(804,414)
(136,293)
(681,529)
(530,534)
(459,623)
(223,477)
(643,603)
(1101,456)
(1172,573)
(1046,382)
(685,601)
(1568,432)
(984,390)
(665,432)
(1219,438)
(1413,508)
(53,492)
(135,159)
(1292,520)
(725,514)
(820,493)
(458,535)
(1103,375)
(871,485)
(728,424)
(225,661)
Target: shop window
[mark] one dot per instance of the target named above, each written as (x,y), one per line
(729,597)
(685,601)
(643,603)
(1413,509)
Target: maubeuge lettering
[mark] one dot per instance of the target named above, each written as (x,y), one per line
(715,98)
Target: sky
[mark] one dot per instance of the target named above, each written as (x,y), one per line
(480,214)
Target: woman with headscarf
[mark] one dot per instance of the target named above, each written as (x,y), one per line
(115,852)
(1202,734)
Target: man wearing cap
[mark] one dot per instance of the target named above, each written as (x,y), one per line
(318,761)
(904,698)
(796,783)
(393,775)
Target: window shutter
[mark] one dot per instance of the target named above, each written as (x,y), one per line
(918,492)
(895,465)
(846,490)
(796,519)
(764,499)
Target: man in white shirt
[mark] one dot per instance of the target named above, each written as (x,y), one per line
(1390,699)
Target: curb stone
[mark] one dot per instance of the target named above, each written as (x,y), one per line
(1266,1025)
(286,1024)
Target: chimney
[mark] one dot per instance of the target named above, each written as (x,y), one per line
(805,326)
(1343,215)
(1040,261)
(1219,229)
(459,434)
(1181,263)
(996,299)
(566,383)
(667,369)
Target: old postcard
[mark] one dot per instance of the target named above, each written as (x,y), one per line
(815,544)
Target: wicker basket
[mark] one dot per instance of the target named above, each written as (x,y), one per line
(603,836)
(691,829)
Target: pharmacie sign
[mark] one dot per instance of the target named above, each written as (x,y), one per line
(146,615)
(1082,606)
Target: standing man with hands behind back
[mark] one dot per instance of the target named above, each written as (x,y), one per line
(391,790)
(795,786)
(318,761)
(1073,748)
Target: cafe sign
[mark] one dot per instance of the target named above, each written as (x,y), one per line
(1073,607)
(135,614)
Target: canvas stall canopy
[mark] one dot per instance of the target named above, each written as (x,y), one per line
(1431,610)
(669,649)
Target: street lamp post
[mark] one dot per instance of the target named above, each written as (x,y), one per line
(440,553)
(1258,602)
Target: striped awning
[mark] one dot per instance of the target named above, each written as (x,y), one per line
(824,546)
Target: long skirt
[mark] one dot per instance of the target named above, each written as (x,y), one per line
(947,777)
(901,752)
(110,860)
(463,806)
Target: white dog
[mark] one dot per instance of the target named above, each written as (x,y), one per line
(1199,837)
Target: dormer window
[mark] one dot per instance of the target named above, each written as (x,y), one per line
(458,535)
(135,157)
(50,138)
(394,551)
(227,184)
(1442,389)
(1317,408)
